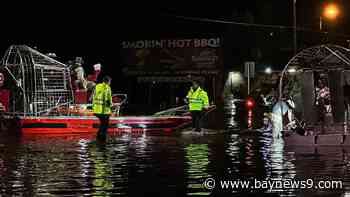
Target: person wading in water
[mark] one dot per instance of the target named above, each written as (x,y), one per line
(101,105)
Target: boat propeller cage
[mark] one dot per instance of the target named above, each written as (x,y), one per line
(38,83)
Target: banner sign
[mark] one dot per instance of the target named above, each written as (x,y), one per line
(171,55)
(180,43)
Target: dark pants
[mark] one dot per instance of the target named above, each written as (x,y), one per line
(197,120)
(2,122)
(104,121)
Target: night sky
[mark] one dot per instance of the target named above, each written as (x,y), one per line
(94,31)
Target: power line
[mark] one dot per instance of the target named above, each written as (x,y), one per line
(280,27)
(229,22)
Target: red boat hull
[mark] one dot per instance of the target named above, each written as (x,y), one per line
(90,124)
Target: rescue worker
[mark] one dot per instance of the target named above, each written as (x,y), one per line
(101,105)
(323,101)
(80,81)
(346,90)
(267,123)
(4,102)
(4,95)
(78,74)
(198,101)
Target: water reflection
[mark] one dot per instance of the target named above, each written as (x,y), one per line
(197,170)
(233,152)
(146,165)
(12,177)
(276,158)
(280,165)
(234,113)
(102,183)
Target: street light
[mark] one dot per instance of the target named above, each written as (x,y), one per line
(330,11)
(268,70)
(292,70)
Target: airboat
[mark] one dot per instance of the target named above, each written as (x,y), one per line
(328,65)
(41,100)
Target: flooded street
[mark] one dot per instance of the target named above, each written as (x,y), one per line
(138,165)
(160,165)
(267,81)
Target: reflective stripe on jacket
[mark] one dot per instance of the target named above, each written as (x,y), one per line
(197,99)
(102,100)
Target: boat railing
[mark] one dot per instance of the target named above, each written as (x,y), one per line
(181,110)
(71,109)
(118,101)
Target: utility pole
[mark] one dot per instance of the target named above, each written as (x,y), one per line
(294,27)
(248,79)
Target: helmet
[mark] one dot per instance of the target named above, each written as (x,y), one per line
(79,60)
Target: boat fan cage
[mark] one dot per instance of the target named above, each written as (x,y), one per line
(330,62)
(321,57)
(39,84)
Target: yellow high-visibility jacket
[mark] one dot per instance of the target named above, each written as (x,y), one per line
(102,99)
(197,99)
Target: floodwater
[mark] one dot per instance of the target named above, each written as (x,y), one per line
(168,165)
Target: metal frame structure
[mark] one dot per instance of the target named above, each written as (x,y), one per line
(322,57)
(318,58)
(40,83)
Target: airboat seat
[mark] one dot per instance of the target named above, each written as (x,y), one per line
(5,98)
(81,96)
